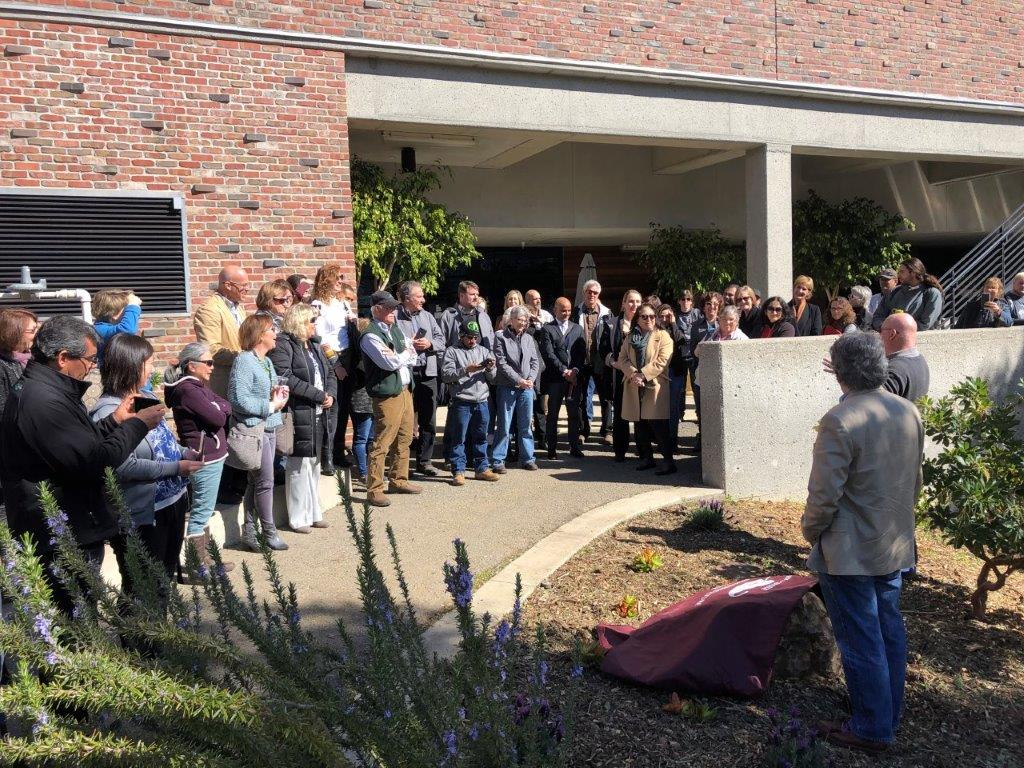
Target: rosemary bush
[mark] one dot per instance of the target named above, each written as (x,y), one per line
(210,676)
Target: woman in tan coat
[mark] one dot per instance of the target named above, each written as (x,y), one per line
(646,396)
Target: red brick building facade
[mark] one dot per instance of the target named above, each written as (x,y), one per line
(241,106)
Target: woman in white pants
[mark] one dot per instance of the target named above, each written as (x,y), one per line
(312,387)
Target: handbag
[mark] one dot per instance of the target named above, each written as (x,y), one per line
(245,446)
(285,440)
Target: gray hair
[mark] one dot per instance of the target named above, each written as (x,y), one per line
(592,284)
(191,353)
(63,333)
(859,361)
(860,295)
(405,289)
(515,312)
(730,311)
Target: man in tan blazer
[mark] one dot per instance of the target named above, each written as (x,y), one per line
(859,519)
(217,320)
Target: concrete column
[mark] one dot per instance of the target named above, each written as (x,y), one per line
(770,220)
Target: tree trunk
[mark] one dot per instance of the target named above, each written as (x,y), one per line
(979,599)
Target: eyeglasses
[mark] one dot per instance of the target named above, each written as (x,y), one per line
(645,317)
(90,359)
(206,362)
(283,300)
(773,309)
(593,292)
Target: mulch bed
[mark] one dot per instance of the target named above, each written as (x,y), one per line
(965,687)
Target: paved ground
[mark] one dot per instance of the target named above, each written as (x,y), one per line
(498,521)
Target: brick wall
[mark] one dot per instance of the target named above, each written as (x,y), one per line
(967,48)
(254,136)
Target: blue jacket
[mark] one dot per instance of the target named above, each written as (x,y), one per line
(249,386)
(141,472)
(129,323)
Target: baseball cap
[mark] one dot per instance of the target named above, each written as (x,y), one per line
(887,273)
(383,298)
(470,328)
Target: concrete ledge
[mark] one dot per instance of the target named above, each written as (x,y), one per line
(226,523)
(550,553)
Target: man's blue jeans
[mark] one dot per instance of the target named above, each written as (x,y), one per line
(467,422)
(866,619)
(519,401)
(205,483)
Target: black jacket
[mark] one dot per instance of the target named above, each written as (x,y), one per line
(809,323)
(291,359)
(750,322)
(602,330)
(47,435)
(10,373)
(560,353)
(680,360)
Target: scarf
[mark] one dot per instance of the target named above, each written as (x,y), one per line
(638,340)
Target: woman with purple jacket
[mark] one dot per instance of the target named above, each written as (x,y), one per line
(201,417)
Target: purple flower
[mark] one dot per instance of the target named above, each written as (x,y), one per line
(42,718)
(52,658)
(58,523)
(450,743)
(42,626)
(387,714)
(221,573)
(202,572)
(474,733)
(462,713)
(294,617)
(9,564)
(577,670)
(541,676)
(459,583)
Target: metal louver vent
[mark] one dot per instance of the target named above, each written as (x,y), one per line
(95,243)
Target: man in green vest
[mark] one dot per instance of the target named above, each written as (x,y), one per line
(388,358)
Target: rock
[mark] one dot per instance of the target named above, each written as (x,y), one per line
(808,647)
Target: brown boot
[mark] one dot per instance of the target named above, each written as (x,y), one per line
(486,475)
(458,480)
(404,486)
(378,499)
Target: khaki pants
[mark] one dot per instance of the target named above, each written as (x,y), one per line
(393,426)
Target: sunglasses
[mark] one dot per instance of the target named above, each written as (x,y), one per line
(773,309)
(646,317)
(283,300)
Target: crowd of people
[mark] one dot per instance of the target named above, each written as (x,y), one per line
(267,398)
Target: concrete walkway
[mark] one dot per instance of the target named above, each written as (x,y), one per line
(498,521)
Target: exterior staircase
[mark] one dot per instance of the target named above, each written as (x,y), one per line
(999,254)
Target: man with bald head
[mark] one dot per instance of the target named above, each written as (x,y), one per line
(564,352)
(908,374)
(217,320)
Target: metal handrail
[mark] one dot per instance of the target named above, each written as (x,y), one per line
(1000,253)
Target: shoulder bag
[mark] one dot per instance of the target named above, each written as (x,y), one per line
(245,445)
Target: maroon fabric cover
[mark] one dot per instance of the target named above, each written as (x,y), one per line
(721,641)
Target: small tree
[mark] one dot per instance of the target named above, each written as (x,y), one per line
(701,260)
(972,489)
(845,243)
(400,234)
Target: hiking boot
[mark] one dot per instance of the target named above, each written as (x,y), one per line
(487,475)
(377,499)
(458,480)
(426,470)
(499,469)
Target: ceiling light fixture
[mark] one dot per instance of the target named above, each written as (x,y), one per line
(408,138)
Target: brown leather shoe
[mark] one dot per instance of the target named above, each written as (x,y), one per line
(459,480)
(848,740)
(377,499)
(486,475)
(825,727)
(404,488)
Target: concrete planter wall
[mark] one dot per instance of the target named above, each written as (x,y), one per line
(761,401)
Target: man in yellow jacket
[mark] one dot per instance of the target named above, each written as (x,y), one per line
(217,320)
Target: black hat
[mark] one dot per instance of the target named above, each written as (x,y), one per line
(385,299)
(469,328)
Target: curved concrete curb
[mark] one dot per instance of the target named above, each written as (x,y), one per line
(550,553)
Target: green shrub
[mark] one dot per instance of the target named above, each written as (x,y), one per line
(214,677)
(709,515)
(972,489)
